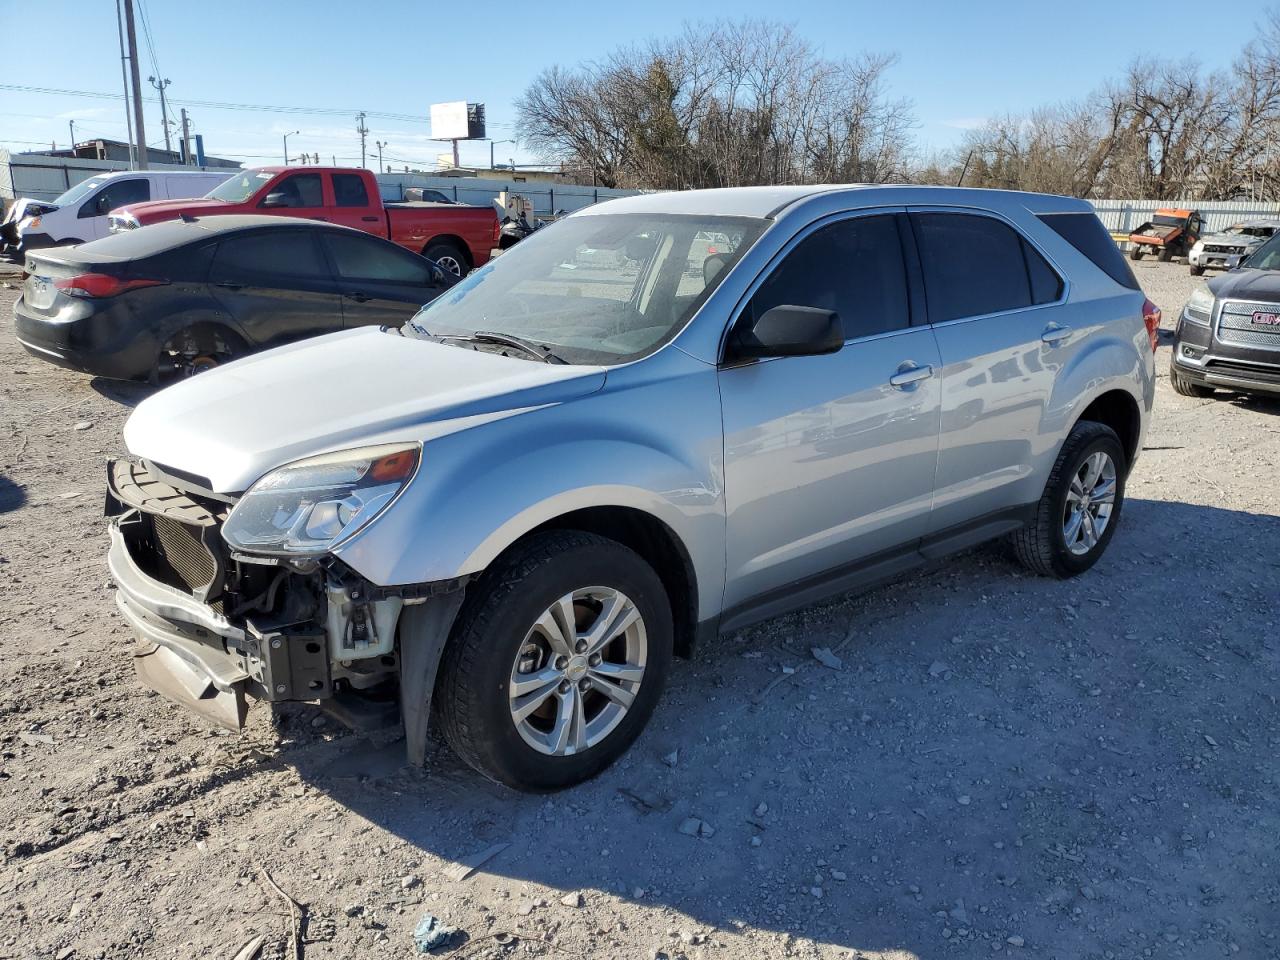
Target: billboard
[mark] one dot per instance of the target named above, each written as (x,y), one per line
(457,120)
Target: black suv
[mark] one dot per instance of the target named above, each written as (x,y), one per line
(1228,334)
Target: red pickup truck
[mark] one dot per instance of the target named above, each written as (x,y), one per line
(456,236)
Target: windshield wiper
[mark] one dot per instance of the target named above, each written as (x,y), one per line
(536,350)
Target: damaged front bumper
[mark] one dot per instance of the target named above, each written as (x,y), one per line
(217,628)
(200,659)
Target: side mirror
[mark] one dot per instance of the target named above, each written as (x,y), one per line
(791,331)
(274,199)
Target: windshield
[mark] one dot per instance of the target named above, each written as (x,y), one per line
(1267,256)
(239,188)
(596,289)
(80,191)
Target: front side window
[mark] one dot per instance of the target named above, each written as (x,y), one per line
(1267,256)
(264,256)
(975,265)
(239,188)
(301,190)
(853,267)
(349,190)
(596,288)
(117,193)
(362,258)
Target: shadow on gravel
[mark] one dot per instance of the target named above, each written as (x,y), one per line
(127,393)
(983,768)
(12,496)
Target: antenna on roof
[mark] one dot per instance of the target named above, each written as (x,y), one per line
(187,218)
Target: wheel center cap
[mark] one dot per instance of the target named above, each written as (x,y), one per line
(577,668)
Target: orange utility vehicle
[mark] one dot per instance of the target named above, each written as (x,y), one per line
(1170,233)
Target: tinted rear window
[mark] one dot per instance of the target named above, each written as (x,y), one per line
(349,191)
(975,265)
(1085,232)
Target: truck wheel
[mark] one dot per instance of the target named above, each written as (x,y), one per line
(448,256)
(1080,507)
(1187,388)
(1165,255)
(556,662)
(1135,251)
(1195,271)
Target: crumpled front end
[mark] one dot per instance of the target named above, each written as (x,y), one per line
(215,627)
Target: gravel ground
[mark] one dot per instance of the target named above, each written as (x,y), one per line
(1003,764)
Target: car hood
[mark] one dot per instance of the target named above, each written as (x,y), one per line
(1233,239)
(155,210)
(1261,285)
(231,425)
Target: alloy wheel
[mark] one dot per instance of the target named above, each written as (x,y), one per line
(578,671)
(1090,501)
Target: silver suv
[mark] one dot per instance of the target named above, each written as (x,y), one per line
(660,419)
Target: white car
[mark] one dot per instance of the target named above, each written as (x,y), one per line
(80,214)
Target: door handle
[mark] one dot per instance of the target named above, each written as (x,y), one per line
(359,297)
(908,373)
(228,285)
(1055,333)
(369,219)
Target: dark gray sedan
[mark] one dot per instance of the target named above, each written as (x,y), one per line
(176,298)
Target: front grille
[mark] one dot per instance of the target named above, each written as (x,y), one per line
(181,549)
(1221,248)
(1235,324)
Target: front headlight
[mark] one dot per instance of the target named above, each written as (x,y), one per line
(309,507)
(1197,247)
(1200,304)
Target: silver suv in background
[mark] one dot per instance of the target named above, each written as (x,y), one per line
(590,456)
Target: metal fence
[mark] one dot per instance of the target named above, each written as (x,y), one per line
(1124,216)
(547,198)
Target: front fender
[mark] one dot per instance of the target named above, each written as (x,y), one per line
(653,446)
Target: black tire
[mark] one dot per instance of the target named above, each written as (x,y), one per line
(471,696)
(1135,251)
(1041,545)
(1165,255)
(1195,271)
(448,256)
(1187,388)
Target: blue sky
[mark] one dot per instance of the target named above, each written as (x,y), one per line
(959,62)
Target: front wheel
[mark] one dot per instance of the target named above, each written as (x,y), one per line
(1165,255)
(1187,388)
(1195,270)
(1135,251)
(1080,507)
(556,662)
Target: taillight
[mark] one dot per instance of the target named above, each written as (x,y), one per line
(1151,317)
(94,285)
(497,232)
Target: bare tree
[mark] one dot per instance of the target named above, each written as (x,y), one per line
(721,104)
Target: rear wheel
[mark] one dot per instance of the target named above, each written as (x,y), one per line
(1187,388)
(193,351)
(448,256)
(1080,507)
(1165,255)
(1135,251)
(556,662)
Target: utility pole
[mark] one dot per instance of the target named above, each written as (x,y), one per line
(286,145)
(132,39)
(188,159)
(164,110)
(363,131)
(124,76)
(492,144)
(380,145)
(71,125)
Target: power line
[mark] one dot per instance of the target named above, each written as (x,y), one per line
(146,31)
(225,105)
